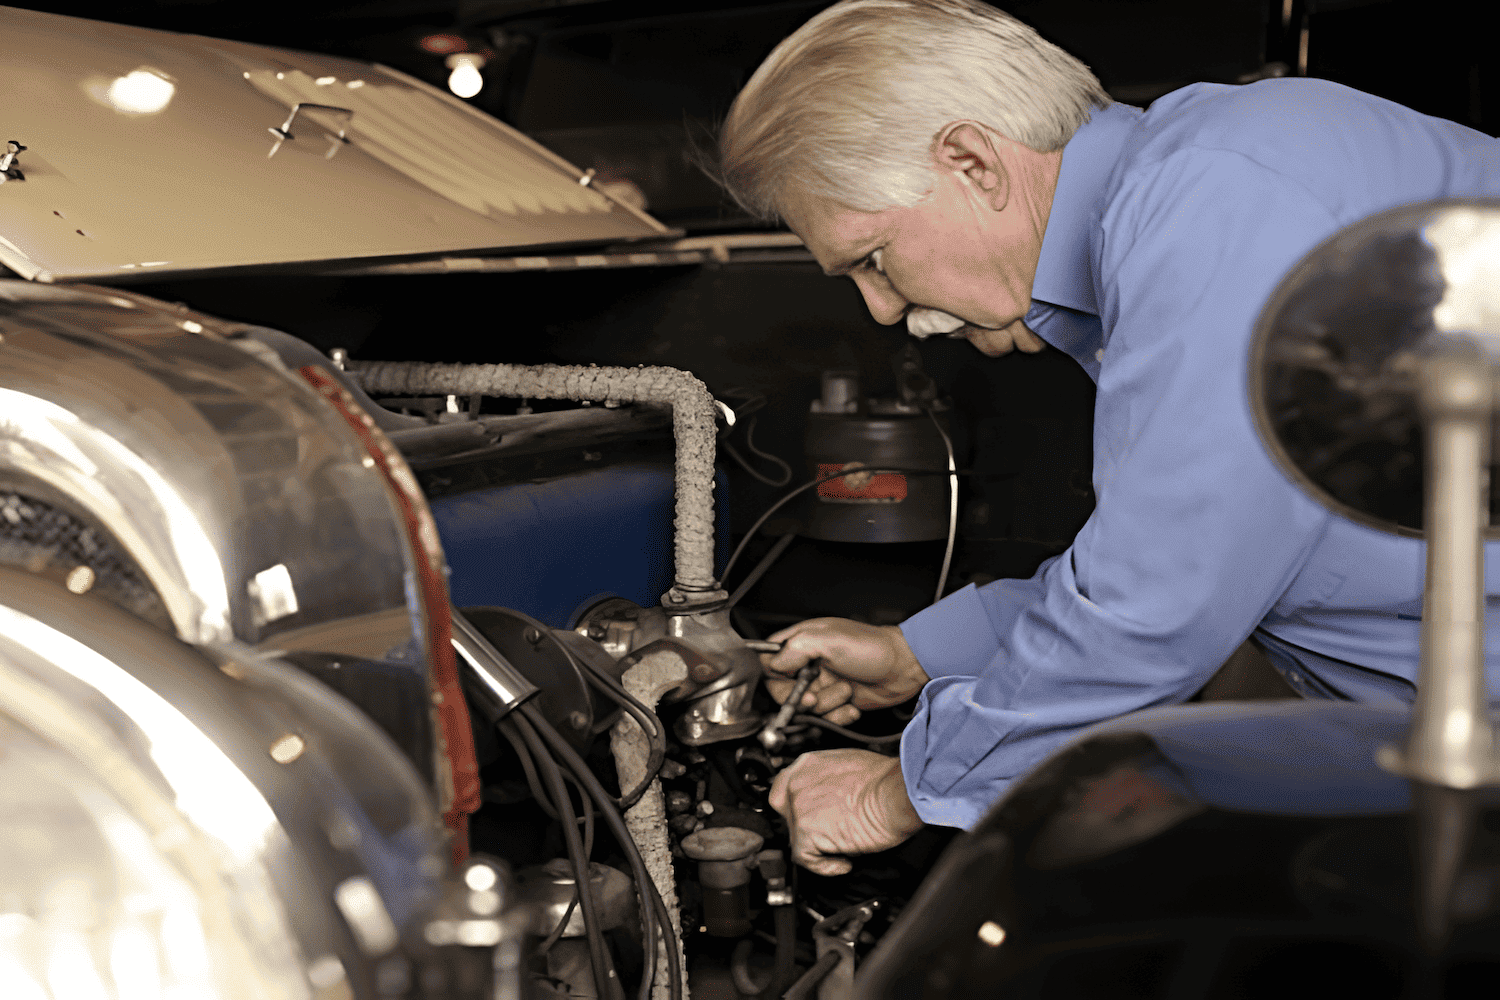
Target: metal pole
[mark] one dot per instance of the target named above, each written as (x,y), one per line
(1451,743)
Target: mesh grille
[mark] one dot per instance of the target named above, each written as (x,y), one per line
(50,542)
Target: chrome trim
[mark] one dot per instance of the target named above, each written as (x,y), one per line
(246,500)
(501,686)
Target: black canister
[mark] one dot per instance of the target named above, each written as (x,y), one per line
(844,432)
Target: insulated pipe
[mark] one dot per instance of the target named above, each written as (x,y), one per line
(647,681)
(693,415)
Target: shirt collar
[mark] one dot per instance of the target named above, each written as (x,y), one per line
(1063,274)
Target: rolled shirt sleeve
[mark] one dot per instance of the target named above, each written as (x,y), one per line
(1195,534)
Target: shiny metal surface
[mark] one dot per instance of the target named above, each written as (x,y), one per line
(722,708)
(1374,381)
(149,152)
(1452,742)
(1334,368)
(246,502)
(549,888)
(147,792)
(500,686)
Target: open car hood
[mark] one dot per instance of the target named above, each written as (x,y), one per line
(149,152)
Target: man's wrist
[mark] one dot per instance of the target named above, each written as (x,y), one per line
(907,675)
(900,815)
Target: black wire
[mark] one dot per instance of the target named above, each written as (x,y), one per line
(734,557)
(644,717)
(589,812)
(588,852)
(653,916)
(727,446)
(848,734)
(527,765)
(786,470)
(746,414)
(766,561)
(952,504)
(655,920)
(582,875)
(557,931)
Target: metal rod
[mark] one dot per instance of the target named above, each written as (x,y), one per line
(1451,741)
(498,686)
(810,979)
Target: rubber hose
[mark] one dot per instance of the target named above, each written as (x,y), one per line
(782,972)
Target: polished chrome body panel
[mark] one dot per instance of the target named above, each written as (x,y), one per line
(257,792)
(245,499)
(150,152)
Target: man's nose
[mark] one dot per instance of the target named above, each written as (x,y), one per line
(884,302)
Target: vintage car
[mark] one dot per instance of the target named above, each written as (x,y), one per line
(304,654)
(380,619)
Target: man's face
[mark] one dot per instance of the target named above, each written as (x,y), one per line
(953,251)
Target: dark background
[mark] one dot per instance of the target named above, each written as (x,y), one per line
(632,89)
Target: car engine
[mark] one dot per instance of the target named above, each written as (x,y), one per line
(582,771)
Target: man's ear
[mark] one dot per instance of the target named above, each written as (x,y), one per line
(971,152)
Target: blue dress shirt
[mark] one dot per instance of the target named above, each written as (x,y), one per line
(1168,232)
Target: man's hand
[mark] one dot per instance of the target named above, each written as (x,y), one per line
(865,666)
(997,342)
(840,802)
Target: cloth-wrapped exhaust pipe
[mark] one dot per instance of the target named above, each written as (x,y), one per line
(693,415)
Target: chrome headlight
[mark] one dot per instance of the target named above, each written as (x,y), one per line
(181,823)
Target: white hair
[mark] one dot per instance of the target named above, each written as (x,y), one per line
(849,105)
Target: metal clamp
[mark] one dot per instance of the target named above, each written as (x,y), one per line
(283,132)
(9,171)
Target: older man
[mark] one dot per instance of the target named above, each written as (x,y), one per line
(973,179)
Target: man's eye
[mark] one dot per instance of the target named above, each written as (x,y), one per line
(875,262)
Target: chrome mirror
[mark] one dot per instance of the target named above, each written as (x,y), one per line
(1372,378)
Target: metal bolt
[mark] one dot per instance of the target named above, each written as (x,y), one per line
(577,720)
(532,635)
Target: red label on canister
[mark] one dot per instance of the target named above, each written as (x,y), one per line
(879,487)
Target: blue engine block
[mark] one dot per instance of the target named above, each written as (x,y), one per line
(554,548)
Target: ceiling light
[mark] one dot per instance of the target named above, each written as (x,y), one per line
(465,80)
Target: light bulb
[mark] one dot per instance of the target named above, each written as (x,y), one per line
(465,80)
